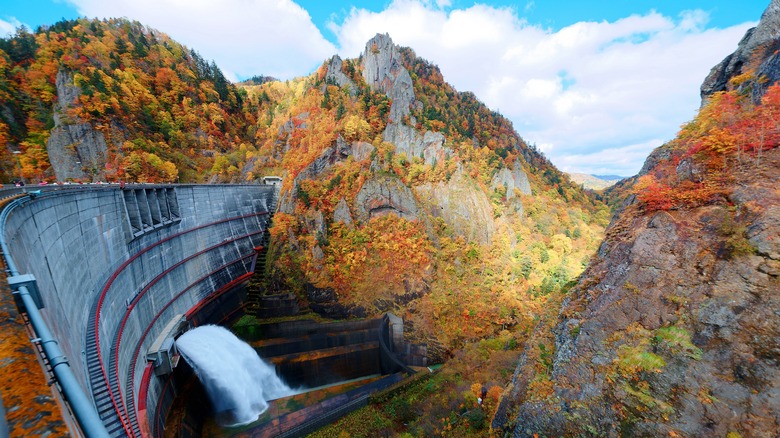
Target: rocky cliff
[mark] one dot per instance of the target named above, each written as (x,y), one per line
(756,56)
(76,150)
(673,329)
(383,70)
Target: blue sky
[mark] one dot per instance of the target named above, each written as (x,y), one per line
(552,14)
(596,85)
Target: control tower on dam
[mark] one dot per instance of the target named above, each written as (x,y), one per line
(108,276)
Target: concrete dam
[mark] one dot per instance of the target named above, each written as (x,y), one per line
(114,275)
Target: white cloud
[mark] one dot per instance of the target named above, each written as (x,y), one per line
(9,27)
(609,161)
(244,37)
(585,92)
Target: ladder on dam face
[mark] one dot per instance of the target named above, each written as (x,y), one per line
(253,297)
(101,394)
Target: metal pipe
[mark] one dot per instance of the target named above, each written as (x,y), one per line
(82,407)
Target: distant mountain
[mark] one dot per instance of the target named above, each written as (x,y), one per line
(610,177)
(594,182)
(258,80)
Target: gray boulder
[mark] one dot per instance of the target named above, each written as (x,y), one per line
(341,213)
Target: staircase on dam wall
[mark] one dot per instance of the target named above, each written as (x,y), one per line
(257,303)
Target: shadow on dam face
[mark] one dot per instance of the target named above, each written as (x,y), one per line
(335,366)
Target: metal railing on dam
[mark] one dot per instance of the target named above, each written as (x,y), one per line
(111,266)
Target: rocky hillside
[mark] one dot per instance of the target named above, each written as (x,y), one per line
(391,176)
(673,329)
(402,194)
(93,100)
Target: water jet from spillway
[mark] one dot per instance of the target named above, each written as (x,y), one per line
(239,383)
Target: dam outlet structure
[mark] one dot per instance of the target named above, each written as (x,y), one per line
(238,382)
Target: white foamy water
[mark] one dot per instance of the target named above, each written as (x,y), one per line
(238,382)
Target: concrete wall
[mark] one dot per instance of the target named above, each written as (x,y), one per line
(82,245)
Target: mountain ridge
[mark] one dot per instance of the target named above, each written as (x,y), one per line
(594,182)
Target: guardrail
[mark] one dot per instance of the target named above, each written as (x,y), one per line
(80,404)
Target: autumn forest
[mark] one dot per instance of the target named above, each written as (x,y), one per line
(420,201)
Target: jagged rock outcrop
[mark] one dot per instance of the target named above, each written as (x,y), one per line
(362,150)
(76,149)
(463,207)
(341,213)
(384,71)
(757,48)
(336,75)
(515,179)
(330,156)
(429,146)
(382,195)
(314,221)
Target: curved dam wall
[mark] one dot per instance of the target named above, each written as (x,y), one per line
(115,266)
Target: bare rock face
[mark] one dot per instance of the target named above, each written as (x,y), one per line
(515,179)
(463,207)
(337,76)
(429,146)
(760,42)
(433,149)
(385,195)
(383,71)
(76,150)
(341,213)
(362,150)
(674,329)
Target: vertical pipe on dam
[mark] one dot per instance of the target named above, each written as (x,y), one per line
(82,407)
(85,413)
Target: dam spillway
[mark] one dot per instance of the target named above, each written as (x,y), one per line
(114,266)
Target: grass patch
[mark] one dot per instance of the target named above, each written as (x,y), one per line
(678,339)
